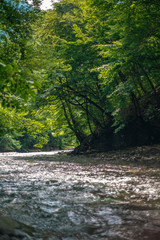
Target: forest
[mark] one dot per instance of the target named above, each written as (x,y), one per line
(84,74)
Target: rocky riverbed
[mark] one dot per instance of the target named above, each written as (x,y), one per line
(104,196)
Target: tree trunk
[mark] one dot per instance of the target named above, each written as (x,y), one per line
(132,95)
(148,78)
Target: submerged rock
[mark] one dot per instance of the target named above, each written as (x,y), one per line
(11,229)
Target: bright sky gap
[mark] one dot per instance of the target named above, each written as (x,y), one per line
(46,4)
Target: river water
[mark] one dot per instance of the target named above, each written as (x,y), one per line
(58,196)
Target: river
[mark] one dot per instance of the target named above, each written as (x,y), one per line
(53,196)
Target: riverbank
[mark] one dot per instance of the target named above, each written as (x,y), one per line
(148,156)
(141,156)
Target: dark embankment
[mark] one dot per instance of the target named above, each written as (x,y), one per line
(142,127)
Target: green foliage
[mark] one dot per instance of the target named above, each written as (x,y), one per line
(8,143)
(17,79)
(71,83)
(15,126)
(67,72)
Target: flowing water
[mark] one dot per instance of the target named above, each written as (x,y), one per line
(57,196)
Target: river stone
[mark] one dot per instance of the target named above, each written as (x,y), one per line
(12,230)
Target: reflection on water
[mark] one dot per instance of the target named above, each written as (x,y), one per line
(68,200)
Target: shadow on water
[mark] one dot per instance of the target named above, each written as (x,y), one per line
(47,196)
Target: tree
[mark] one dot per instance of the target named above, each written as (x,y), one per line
(71,80)
(94,63)
(15,75)
(18,82)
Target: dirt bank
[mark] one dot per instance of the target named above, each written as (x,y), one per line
(141,156)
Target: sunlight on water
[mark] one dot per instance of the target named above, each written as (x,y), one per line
(30,154)
(47,191)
